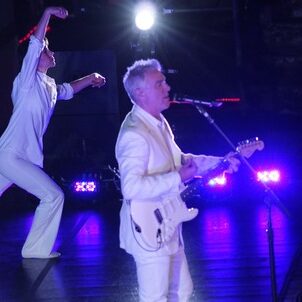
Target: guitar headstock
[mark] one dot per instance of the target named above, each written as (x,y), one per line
(247,147)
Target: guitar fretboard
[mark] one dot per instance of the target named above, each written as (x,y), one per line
(194,185)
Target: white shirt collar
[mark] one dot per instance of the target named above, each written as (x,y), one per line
(148,117)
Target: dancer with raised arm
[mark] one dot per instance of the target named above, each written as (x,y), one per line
(34,96)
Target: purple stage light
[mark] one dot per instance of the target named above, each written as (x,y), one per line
(268,175)
(218,181)
(85,186)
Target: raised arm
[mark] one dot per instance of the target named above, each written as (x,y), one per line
(59,12)
(94,80)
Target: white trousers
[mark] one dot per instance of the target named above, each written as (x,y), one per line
(163,278)
(34,180)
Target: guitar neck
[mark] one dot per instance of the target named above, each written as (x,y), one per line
(197,182)
(215,171)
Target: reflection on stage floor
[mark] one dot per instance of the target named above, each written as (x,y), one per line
(227,249)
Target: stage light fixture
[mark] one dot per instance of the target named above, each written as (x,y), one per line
(272,176)
(84,186)
(145,13)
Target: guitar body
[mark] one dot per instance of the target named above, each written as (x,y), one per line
(156,222)
(146,224)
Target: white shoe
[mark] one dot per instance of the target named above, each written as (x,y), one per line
(50,256)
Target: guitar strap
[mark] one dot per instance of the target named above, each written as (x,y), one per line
(165,136)
(166,133)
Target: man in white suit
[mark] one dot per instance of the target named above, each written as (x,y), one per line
(153,170)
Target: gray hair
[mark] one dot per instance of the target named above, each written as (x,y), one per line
(135,75)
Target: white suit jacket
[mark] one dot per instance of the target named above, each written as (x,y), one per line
(148,160)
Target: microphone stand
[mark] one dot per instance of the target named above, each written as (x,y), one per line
(270,199)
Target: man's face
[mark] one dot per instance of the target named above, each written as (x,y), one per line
(155,93)
(47,58)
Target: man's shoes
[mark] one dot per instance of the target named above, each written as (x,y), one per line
(50,256)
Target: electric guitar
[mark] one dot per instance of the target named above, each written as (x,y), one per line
(156,222)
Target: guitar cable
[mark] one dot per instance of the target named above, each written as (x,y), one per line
(137,229)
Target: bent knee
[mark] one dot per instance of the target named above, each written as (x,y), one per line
(55,196)
(59,195)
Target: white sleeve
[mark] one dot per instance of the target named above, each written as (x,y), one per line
(204,162)
(132,153)
(30,63)
(65,91)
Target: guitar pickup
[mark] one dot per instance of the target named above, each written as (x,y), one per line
(137,227)
(158,216)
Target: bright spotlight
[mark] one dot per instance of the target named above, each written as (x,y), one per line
(145,15)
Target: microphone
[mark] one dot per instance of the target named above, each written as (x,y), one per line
(187,100)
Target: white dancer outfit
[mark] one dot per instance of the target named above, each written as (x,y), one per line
(34,97)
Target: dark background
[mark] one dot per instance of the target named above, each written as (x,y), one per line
(209,49)
(250,49)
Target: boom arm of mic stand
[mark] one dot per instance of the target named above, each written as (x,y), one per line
(202,111)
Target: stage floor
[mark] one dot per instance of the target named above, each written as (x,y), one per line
(226,245)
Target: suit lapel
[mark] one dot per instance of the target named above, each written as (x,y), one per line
(162,138)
